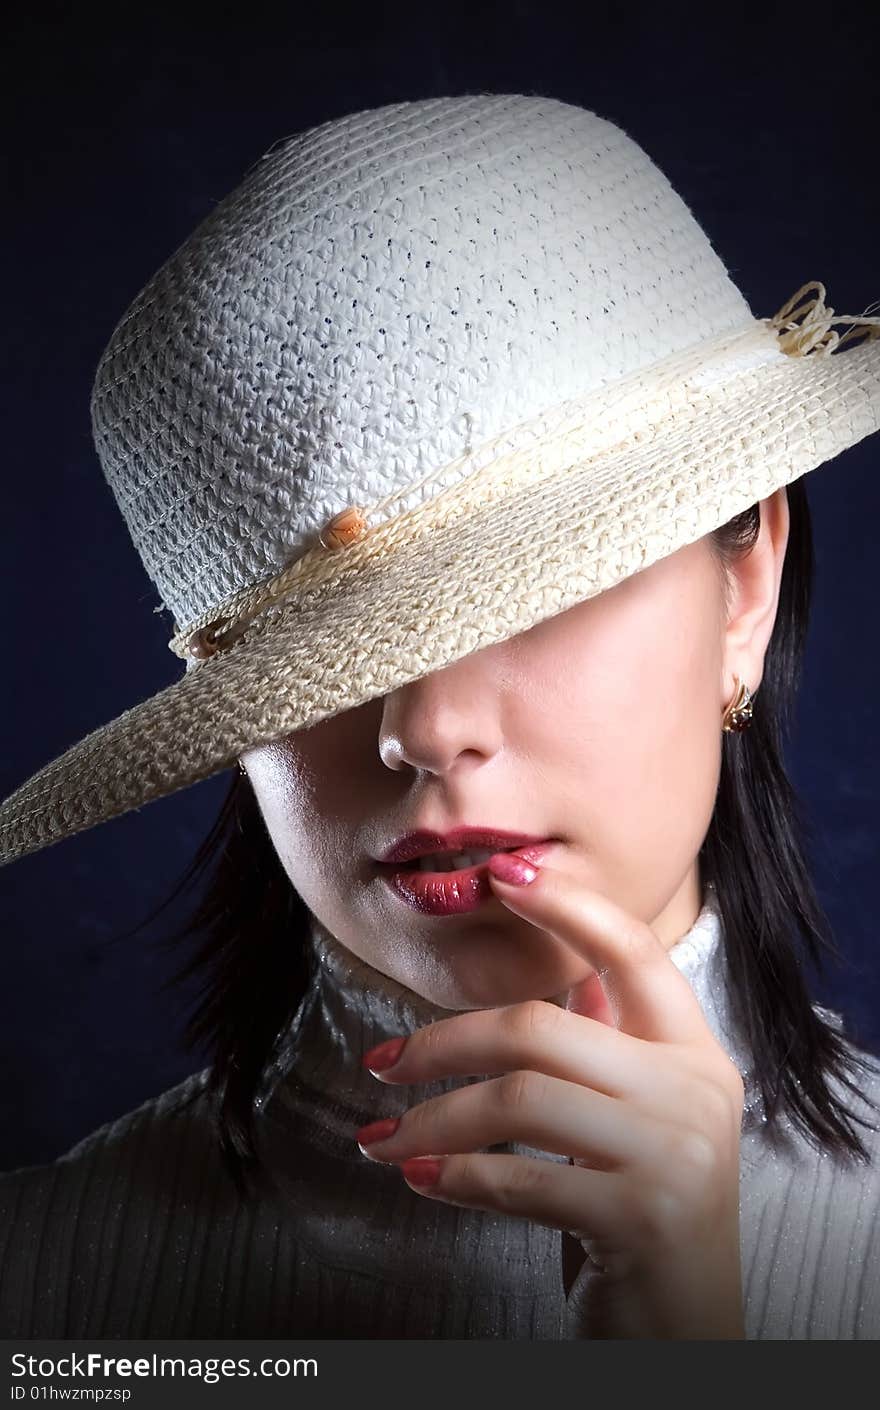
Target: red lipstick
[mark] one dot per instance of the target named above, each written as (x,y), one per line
(443,893)
(461,839)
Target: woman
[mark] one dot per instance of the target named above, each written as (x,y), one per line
(479,506)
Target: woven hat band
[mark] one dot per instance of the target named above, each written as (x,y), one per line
(541,448)
(535,450)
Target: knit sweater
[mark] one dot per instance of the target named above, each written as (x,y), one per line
(137,1230)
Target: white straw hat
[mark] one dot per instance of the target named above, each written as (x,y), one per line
(432,373)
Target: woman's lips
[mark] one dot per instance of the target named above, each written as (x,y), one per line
(444,893)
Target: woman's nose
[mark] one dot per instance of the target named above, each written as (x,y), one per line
(430,723)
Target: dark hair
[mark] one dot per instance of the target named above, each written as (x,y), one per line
(252,923)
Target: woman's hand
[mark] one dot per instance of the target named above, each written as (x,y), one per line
(643,1100)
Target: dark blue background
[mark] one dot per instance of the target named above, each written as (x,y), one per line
(123,133)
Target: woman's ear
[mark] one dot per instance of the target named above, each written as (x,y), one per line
(754,581)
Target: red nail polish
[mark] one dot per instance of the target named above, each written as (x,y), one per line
(377,1131)
(506,866)
(421,1170)
(383,1055)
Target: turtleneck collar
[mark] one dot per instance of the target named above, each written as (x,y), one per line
(350,1007)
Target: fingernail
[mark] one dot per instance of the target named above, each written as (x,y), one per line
(377,1131)
(421,1170)
(384,1055)
(506,866)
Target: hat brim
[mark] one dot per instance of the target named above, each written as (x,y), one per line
(477,579)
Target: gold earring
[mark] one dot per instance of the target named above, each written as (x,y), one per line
(738,715)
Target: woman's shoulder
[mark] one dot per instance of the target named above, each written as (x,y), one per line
(144,1136)
(78,1233)
(856,1085)
(810,1218)
(864,1103)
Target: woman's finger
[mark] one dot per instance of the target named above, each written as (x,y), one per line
(546,1113)
(546,1039)
(649,996)
(587,1204)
